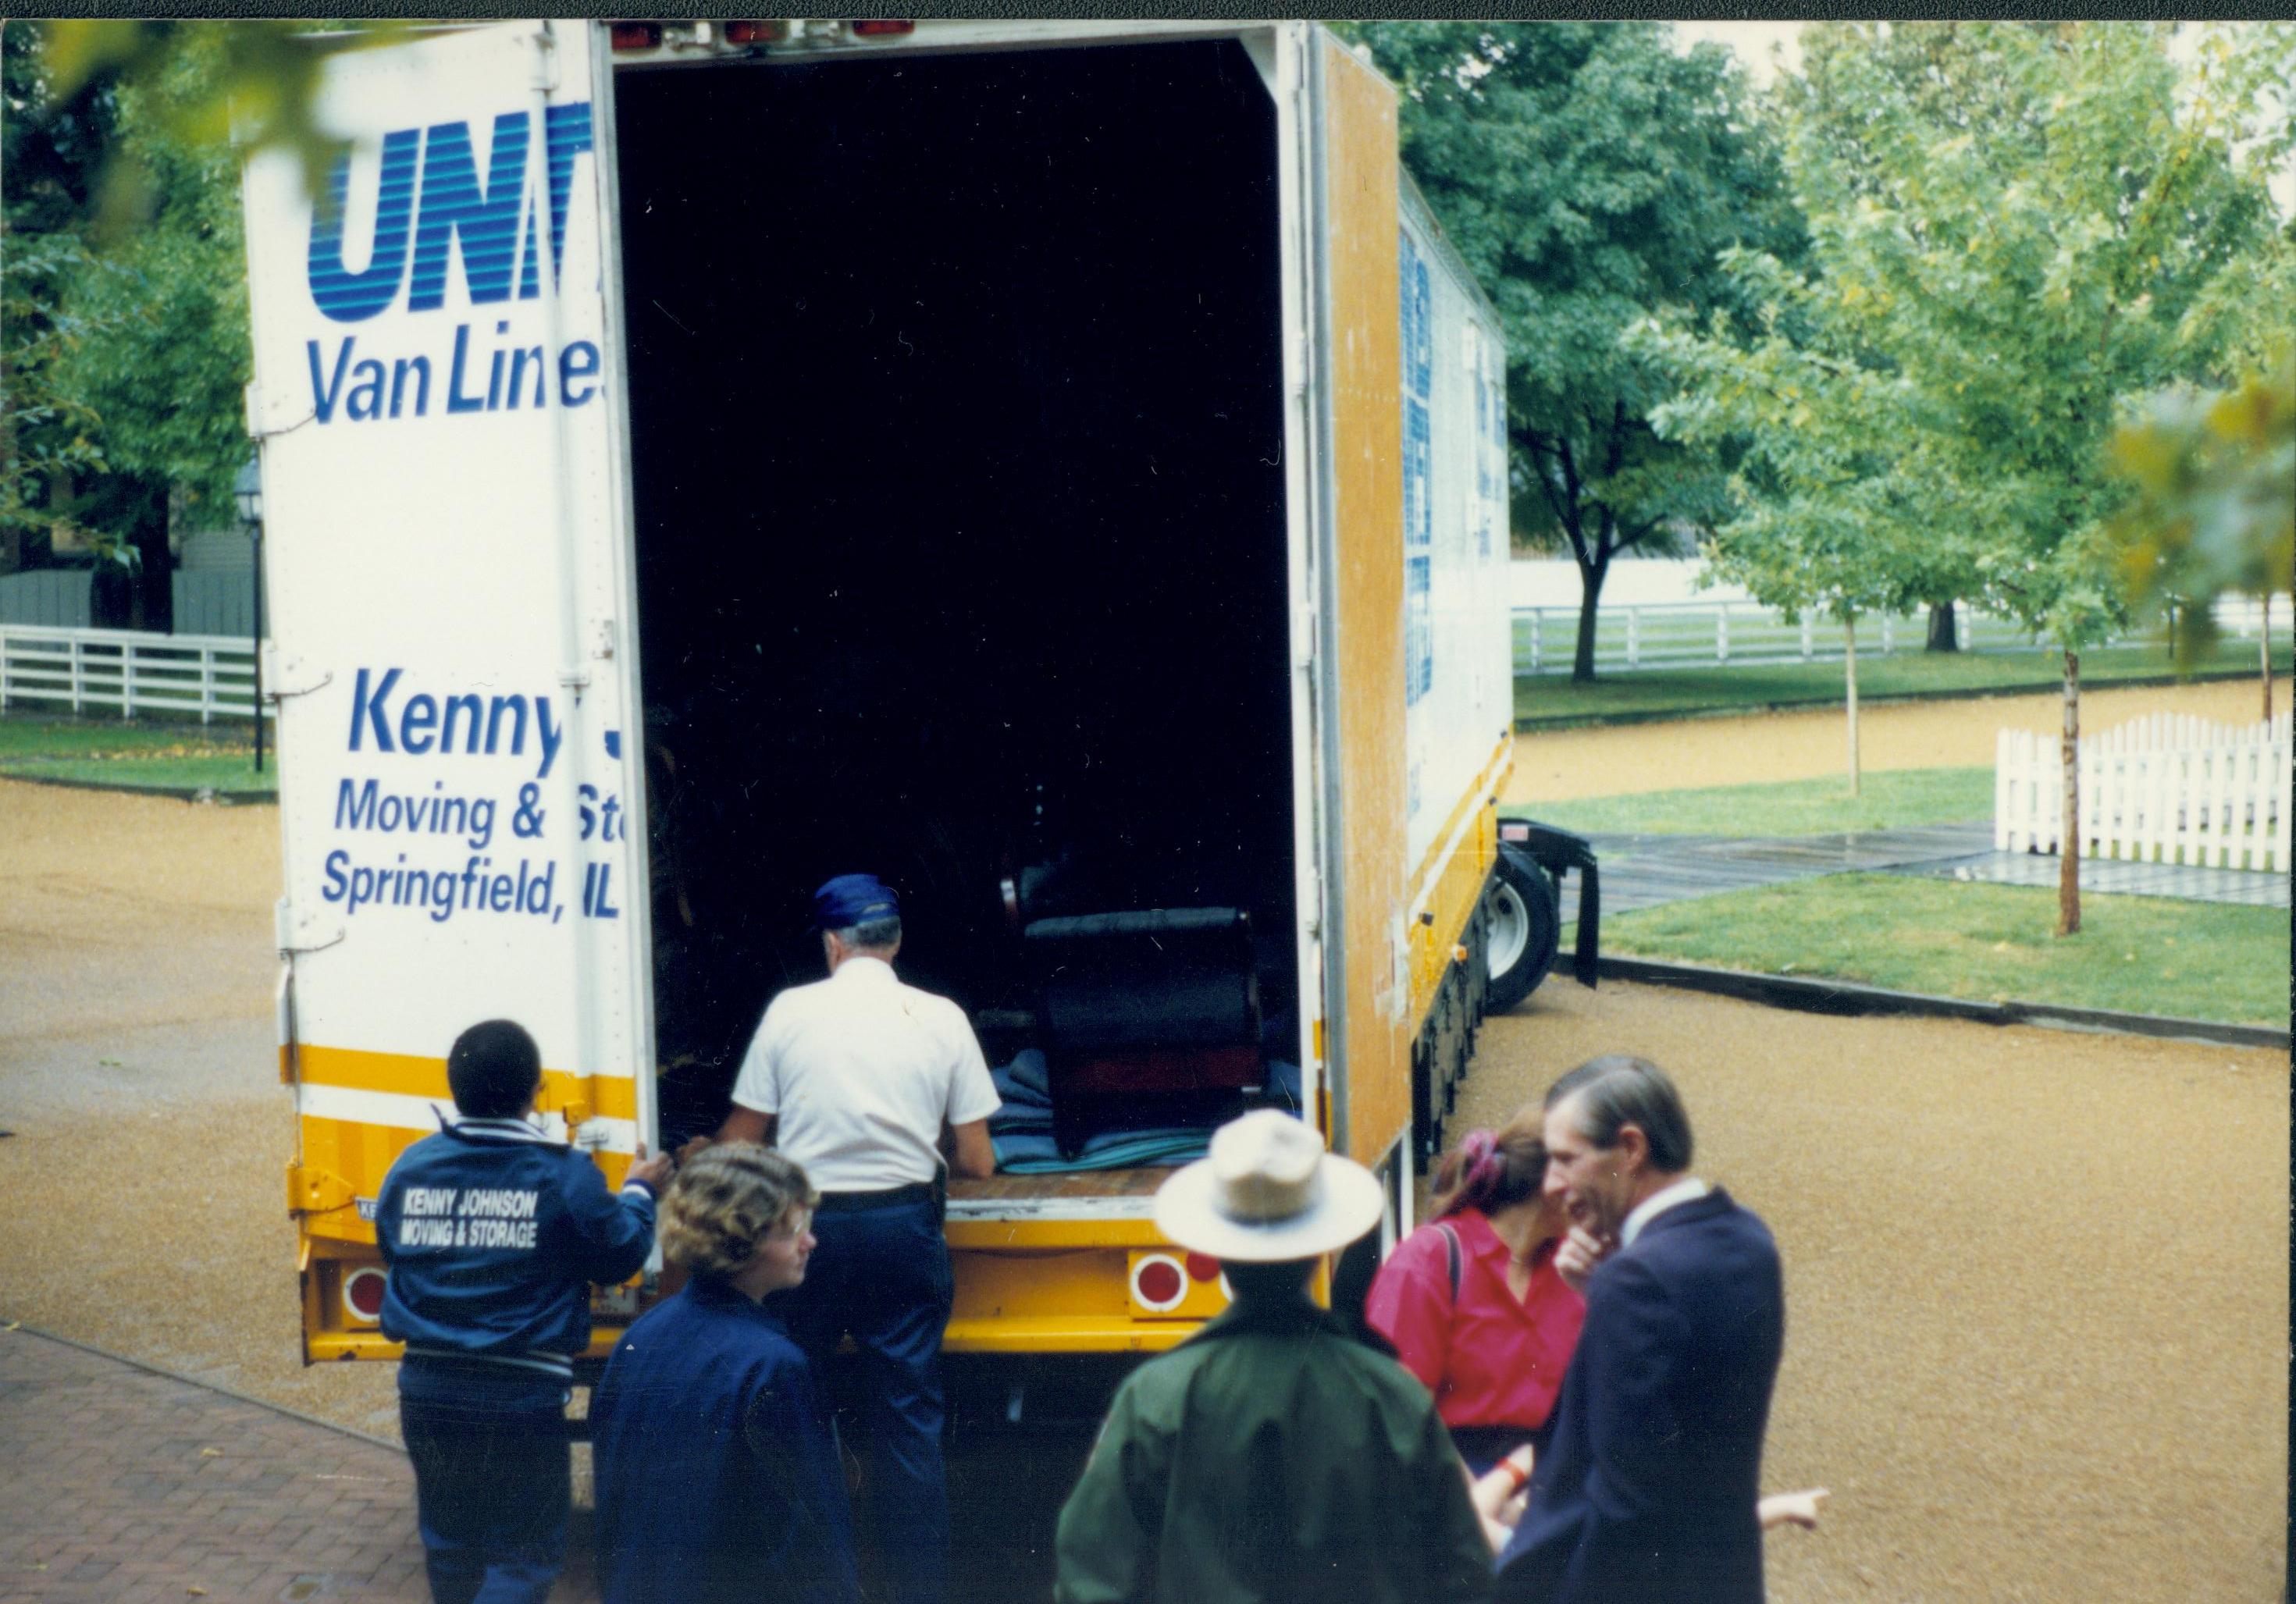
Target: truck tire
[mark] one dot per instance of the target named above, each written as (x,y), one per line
(1522,928)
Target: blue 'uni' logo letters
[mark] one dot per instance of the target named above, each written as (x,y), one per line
(486,218)
(345,296)
(449,203)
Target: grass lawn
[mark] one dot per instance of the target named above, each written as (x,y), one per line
(1549,698)
(1891,799)
(138,755)
(1993,943)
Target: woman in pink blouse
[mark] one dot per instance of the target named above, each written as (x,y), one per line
(1473,1303)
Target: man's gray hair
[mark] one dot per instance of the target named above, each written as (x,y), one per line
(1618,1089)
(872,934)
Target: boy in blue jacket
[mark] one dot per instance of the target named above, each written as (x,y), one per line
(493,1234)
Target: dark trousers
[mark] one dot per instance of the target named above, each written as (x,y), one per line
(492,1486)
(1484,1446)
(881,1272)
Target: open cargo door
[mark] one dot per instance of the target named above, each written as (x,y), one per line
(441,431)
(1359,537)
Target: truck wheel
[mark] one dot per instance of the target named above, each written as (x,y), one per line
(1522,928)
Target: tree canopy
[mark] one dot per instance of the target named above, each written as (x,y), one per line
(2214,504)
(2014,229)
(1589,174)
(124,333)
(162,358)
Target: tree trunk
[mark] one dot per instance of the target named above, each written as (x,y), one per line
(1590,597)
(2264,651)
(1944,634)
(2069,844)
(1849,681)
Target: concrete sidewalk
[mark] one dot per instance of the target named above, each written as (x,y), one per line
(1645,871)
(125,1486)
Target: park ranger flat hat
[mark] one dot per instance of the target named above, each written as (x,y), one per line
(1267,1192)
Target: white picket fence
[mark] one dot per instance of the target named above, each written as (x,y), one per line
(1680,635)
(2167,789)
(125,670)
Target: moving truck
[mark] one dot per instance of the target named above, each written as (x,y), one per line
(1057,467)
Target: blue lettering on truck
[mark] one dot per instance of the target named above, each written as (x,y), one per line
(430,198)
(418,727)
(454,863)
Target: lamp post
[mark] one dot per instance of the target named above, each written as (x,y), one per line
(247,490)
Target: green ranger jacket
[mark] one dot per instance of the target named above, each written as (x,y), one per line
(1272,1457)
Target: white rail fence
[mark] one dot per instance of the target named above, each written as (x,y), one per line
(126,671)
(2167,789)
(1679,634)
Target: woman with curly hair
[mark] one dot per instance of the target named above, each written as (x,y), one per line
(1474,1302)
(716,1475)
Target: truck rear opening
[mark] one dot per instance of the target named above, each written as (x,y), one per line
(961,535)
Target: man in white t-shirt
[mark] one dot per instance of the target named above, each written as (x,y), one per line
(861,1079)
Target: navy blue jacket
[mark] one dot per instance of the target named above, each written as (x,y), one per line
(1648,1490)
(493,1233)
(717,1478)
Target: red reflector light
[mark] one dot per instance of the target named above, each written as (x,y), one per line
(751,33)
(636,36)
(1203,1266)
(1514,832)
(363,1293)
(879,29)
(1161,1285)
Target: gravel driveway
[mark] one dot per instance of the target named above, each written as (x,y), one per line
(2037,1283)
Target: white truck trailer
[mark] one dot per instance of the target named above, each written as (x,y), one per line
(1058,467)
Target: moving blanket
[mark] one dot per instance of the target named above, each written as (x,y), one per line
(1023,1129)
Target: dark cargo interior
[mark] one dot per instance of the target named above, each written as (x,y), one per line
(956,426)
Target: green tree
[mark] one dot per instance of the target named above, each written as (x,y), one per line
(2013,227)
(2214,508)
(163,359)
(49,166)
(123,324)
(1588,174)
(1820,520)
(2213,471)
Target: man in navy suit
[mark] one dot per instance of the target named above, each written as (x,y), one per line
(1648,1491)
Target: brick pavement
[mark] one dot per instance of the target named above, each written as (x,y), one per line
(121,1486)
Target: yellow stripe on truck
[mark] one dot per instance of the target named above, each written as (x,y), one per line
(599,1096)
(333,1183)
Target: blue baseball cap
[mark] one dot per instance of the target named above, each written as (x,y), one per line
(853,899)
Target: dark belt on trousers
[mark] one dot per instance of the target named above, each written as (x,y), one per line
(837,1202)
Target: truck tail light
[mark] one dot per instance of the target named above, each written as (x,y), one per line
(1159,1283)
(751,33)
(880,28)
(362,1294)
(635,36)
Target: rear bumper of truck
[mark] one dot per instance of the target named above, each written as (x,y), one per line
(1043,1264)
